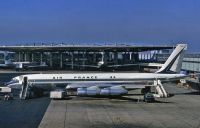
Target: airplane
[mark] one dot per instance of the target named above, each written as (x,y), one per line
(114,83)
(20,65)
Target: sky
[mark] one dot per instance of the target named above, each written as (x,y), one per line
(100,21)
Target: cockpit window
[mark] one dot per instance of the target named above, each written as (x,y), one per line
(20,78)
(14,80)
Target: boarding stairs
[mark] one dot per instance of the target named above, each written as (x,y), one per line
(160,89)
(25,89)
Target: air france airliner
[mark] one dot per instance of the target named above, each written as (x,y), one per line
(104,83)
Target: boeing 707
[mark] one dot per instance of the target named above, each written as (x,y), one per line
(104,83)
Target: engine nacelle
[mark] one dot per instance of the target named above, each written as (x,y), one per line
(90,91)
(94,90)
(115,90)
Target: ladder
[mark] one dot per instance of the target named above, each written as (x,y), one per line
(160,89)
(25,89)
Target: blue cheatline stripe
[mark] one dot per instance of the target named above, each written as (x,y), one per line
(85,80)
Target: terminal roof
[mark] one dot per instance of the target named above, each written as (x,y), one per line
(92,48)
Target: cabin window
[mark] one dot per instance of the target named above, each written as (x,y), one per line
(112,77)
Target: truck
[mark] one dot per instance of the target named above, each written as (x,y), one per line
(57,94)
(5,90)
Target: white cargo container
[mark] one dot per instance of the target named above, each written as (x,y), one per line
(5,89)
(57,94)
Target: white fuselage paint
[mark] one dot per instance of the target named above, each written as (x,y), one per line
(45,80)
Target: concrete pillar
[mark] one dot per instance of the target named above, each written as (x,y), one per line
(25,56)
(41,57)
(19,57)
(83,61)
(94,57)
(72,60)
(50,59)
(102,56)
(130,56)
(115,58)
(32,57)
(78,57)
(61,60)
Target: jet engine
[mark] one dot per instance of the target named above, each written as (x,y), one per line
(90,91)
(115,90)
(95,90)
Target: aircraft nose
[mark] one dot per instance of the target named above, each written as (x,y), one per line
(13,84)
(9,84)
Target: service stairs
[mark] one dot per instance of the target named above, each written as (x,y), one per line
(160,89)
(24,90)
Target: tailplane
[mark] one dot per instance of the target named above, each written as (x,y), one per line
(174,62)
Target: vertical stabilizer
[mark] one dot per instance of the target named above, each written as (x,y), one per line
(174,62)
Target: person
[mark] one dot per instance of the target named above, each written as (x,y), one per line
(6,97)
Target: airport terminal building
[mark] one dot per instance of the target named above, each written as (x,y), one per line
(87,57)
(96,57)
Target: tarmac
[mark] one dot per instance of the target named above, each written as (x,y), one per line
(22,113)
(181,110)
